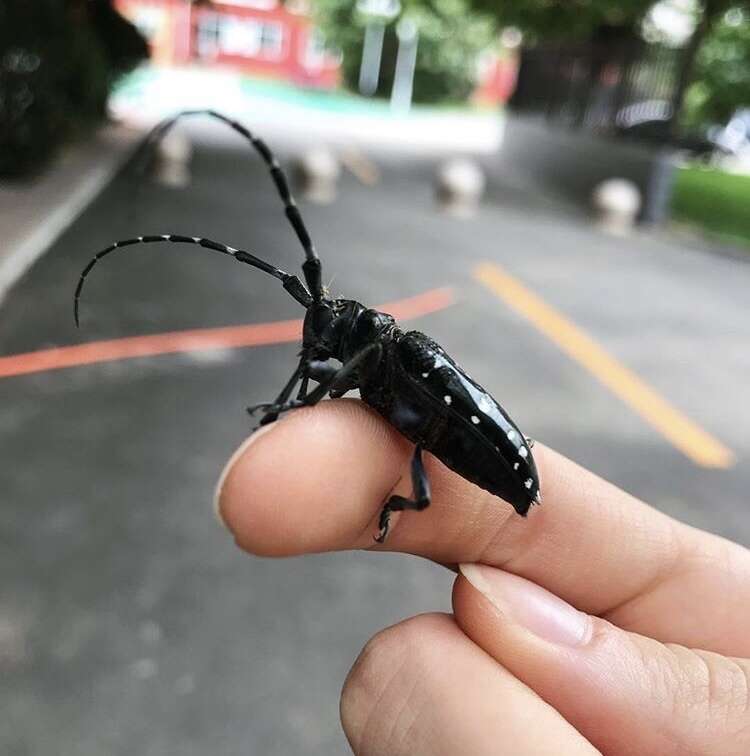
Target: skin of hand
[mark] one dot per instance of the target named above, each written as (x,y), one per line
(595,625)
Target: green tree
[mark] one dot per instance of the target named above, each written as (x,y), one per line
(714,57)
(721,81)
(58,60)
(451,36)
(550,20)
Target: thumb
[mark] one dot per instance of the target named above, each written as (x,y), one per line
(625,693)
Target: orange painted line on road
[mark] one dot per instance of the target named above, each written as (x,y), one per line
(695,443)
(231,337)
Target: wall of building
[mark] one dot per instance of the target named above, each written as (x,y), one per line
(262,37)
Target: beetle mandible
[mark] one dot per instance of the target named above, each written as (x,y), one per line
(405,376)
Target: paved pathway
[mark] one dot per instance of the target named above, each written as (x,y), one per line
(129,624)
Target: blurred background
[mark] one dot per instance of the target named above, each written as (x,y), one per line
(556,191)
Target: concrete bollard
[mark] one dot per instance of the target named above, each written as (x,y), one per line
(616,203)
(317,171)
(172,160)
(459,186)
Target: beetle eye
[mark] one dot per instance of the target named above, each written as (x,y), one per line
(322,318)
(365,328)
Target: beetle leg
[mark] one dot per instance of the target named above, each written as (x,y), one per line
(338,392)
(323,371)
(303,387)
(280,399)
(342,378)
(421,495)
(337,381)
(529,442)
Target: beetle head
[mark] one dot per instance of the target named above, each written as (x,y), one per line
(324,330)
(340,328)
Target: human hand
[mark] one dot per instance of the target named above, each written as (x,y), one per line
(650,660)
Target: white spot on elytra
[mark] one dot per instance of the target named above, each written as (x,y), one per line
(512,435)
(523,452)
(424,375)
(197,239)
(475,420)
(485,404)
(447,399)
(165,237)
(529,483)
(516,465)
(140,238)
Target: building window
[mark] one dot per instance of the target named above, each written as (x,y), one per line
(239,37)
(313,53)
(271,39)
(208,35)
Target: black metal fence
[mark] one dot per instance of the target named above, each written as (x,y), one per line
(607,88)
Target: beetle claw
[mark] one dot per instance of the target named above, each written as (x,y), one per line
(253,408)
(385,524)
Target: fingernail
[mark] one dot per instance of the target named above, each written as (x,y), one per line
(246,444)
(526,604)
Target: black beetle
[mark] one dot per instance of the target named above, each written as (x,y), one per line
(406,376)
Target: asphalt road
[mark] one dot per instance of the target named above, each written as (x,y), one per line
(129,623)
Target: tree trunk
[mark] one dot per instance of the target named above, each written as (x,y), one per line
(711,9)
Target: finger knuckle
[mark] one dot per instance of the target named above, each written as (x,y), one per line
(717,686)
(727,688)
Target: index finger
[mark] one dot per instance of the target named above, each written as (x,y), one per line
(317,480)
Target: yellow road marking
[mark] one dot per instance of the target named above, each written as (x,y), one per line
(700,446)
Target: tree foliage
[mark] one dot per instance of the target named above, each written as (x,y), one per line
(565,19)
(716,59)
(721,81)
(58,60)
(451,36)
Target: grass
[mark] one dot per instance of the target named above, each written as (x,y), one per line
(717,202)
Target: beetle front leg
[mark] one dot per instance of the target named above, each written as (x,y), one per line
(336,381)
(324,372)
(269,417)
(421,494)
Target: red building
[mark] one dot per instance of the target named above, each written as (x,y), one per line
(265,37)
(268,38)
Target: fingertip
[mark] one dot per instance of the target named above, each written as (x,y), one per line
(219,500)
(311,482)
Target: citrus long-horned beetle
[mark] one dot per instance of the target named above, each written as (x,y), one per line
(405,376)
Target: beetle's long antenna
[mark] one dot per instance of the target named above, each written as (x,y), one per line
(291,283)
(311,266)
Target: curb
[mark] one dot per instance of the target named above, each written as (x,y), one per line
(33,215)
